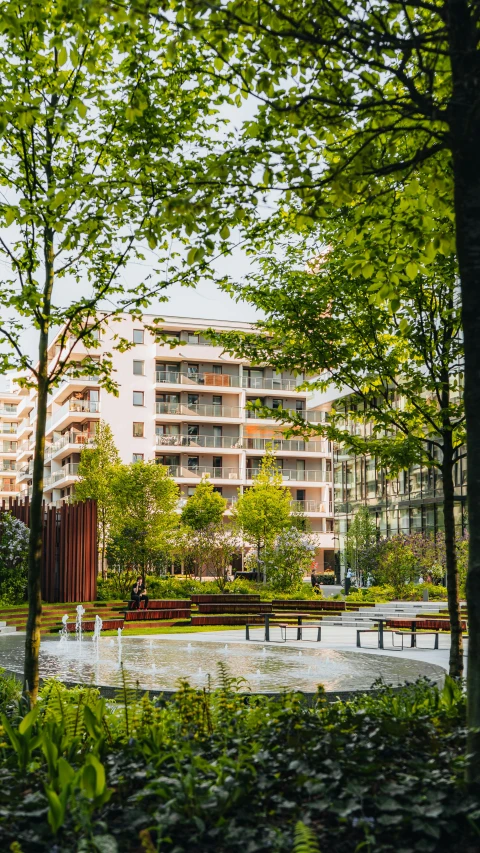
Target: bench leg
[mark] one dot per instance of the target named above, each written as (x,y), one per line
(435,645)
(247,632)
(319,635)
(358,640)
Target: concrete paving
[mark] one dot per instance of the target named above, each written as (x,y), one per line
(333,637)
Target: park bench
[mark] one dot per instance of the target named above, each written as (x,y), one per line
(283,627)
(365,631)
(299,629)
(413,637)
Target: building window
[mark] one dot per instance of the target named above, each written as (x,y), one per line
(217,399)
(137,457)
(193,399)
(191,491)
(329,525)
(192,338)
(138,335)
(193,463)
(218,489)
(139,368)
(217,368)
(138,398)
(138,430)
(193,429)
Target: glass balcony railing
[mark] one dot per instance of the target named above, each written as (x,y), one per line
(80,439)
(304,476)
(8,487)
(199,410)
(289,444)
(80,406)
(307,414)
(69,470)
(219,380)
(270,384)
(307,506)
(215,441)
(182,471)
(8,411)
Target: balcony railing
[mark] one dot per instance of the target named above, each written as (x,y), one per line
(199,410)
(181,471)
(220,380)
(69,470)
(214,441)
(90,406)
(307,506)
(8,431)
(291,444)
(307,415)
(83,439)
(8,412)
(7,487)
(267,384)
(304,476)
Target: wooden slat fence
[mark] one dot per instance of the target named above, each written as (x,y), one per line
(70,554)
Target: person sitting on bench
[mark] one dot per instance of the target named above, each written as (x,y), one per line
(138,594)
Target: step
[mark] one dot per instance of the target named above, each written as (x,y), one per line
(7,629)
(148,615)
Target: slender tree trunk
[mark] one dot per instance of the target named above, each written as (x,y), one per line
(456,647)
(465,133)
(35,546)
(104,567)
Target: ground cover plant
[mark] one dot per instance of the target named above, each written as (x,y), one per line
(228,771)
(170,586)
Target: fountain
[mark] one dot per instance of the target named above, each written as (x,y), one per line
(64,629)
(97,631)
(78,622)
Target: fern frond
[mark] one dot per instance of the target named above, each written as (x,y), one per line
(305,840)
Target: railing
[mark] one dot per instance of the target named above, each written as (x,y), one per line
(217,441)
(221,380)
(307,506)
(24,425)
(90,406)
(270,384)
(7,412)
(78,438)
(306,414)
(8,431)
(304,476)
(27,471)
(6,467)
(69,470)
(7,487)
(200,410)
(181,471)
(7,449)
(286,444)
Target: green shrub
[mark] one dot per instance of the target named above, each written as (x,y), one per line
(216,770)
(13,559)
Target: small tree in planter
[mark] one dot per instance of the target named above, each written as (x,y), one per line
(288,560)
(395,564)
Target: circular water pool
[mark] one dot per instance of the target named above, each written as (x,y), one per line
(159,664)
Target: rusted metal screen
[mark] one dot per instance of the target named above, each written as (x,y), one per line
(70,554)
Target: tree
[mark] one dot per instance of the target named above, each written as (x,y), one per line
(287,560)
(106,126)
(97,469)
(361,536)
(355,97)
(204,507)
(401,361)
(395,564)
(263,510)
(146,500)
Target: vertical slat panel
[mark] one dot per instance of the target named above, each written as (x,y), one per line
(69,554)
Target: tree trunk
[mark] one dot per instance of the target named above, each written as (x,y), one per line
(456,647)
(35,545)
(104,566)
(467,214)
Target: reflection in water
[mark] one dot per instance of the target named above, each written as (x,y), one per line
(161,663)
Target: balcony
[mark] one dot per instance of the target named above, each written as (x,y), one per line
(286,445)
(7,487)
(199,410)
(71,408)
(308,506)
(216,380)
(308,415)
(214,441)
(25,472)
(70,383)
(181,472)
(68,471)
(302,476)
(263,383)
(79,440)
(8,411)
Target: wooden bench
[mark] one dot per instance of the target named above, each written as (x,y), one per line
(413,637)
(299,629)
(365,631)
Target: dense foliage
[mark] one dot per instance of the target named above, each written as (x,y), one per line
(285,561)
(175,586)
(13,559)
(214,770)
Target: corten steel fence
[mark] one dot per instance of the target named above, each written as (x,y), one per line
(70,555)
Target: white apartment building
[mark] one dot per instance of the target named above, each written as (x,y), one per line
(184,407)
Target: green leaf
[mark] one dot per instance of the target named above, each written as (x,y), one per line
(411,270)
(62,56)
(225,232)
(368,270)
